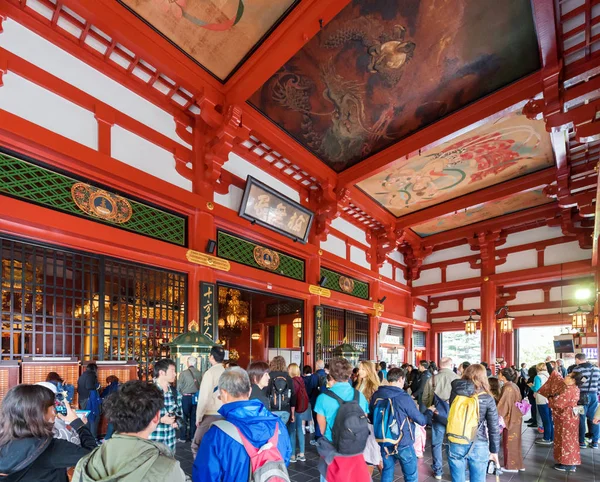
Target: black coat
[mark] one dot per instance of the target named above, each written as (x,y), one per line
(87,382)
(44,460)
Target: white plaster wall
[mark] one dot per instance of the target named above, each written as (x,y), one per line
(349,230)
(450,253)
(461,271)
(40,106)
(232,199)
(532,235)
(516,261)
(446,305)
(359,257)
(400,276)
(564,253)
(386,270)
(472,303)
(242,168)
(429,277)
(335,246)
(420,313)
(568,292)
(47,56)
(397,256)
(525,297)
(459,327)
(147,157)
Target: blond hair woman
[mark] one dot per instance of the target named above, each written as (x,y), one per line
(367,382)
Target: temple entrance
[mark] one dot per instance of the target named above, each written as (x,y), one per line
(259,326)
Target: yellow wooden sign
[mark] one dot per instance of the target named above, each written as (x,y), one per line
(318,290)
(204,259)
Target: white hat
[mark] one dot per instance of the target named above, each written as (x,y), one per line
(49,386)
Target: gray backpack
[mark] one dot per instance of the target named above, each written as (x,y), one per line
(266,463)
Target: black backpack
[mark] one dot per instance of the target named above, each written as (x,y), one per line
(280,395)
(350,430)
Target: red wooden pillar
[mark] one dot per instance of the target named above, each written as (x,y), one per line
(488,297)
(434,351)
(509,348)
(500,346)
(408,344)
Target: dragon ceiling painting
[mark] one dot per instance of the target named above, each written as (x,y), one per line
(498,151)
(218,34)
(483,212)
(383,69)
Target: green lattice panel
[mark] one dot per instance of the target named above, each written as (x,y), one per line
(242,251)
(361,289)
(27,181)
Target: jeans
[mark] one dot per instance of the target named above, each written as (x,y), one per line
(437,438)
(590,410)
(476,459)
(188,428)
(407,458)
(546,414)
(295,430)
(91,425)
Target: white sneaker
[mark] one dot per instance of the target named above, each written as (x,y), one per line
(509,471)
(437,477)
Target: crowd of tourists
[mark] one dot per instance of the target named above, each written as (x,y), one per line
(252,424)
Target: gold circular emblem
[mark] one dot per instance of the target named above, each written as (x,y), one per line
(346,284)
(101,204)
(210,206)
(266,258)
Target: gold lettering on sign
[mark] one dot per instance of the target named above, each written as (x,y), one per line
(204,259)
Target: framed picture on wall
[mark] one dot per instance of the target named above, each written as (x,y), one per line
(271,209)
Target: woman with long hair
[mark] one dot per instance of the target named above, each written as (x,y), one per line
(541,403)
(280,391)
(368,381)
(28,450)
(513,420)
(563,395)
(475,455)
(302,416)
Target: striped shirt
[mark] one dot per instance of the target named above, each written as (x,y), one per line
(166,433)
(588,370)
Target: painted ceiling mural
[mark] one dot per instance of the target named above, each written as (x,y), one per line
(482,212)
(218,34)
(384,69)
(510,147)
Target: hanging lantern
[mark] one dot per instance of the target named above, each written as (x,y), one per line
(299,333)
(256,336)
(506,322)
(297,322)
(471,323)
(579,319)
(471,326)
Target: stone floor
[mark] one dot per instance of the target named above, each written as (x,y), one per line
(538,462)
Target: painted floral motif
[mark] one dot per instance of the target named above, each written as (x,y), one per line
(510,147)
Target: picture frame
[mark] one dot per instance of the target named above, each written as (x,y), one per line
(266,207)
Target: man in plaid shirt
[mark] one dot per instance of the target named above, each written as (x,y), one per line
(165,375)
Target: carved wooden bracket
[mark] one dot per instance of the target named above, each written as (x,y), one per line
(384,243)
(414,257)
(328,202)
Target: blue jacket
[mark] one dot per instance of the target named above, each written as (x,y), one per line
(222,459)
(404,405)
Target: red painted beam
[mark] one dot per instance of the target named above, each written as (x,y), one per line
(446,129)
(491,193)
(303,23)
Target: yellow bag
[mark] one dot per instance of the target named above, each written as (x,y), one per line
(463,420)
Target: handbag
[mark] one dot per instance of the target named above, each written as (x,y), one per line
(524,406)
(372,452)
(584,398)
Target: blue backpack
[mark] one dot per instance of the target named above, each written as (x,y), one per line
(388,424)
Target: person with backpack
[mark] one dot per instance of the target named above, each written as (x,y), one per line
(472,426)
(342,417)
(303,414)
(422,380)
(437,393)
(281,394)
(164,377)
(258,371)
(135,412)
(248,440)
(394,414)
